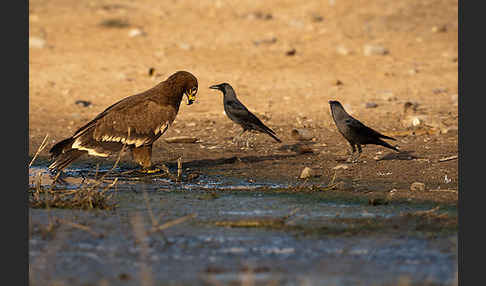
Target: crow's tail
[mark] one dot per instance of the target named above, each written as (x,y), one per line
(384,144)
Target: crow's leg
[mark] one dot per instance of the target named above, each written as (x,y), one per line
(237,139)
(358,154)
(353,151)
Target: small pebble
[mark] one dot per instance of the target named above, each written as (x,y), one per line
(388,96)
(317,18)
(369,50)
(301,134)
(291,52)
(307,173)
(151,71)
(342,50)
(35,42)
(454,98)
(185,46)
(377,201)
(271,40)
(412,71)
(341,166)
(83,103)
(417,186)
(371,105)
(136,32)
(439,29)
(439,90)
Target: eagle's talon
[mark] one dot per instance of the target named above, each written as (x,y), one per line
(150,171)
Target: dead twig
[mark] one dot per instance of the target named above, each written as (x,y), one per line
(448,158)
(79,226)
(179,169)
(41,147)
(171,223)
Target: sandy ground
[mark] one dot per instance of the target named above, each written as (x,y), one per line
(285,59)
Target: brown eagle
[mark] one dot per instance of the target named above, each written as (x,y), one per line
(135,122)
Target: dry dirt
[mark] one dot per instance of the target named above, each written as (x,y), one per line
(85,50)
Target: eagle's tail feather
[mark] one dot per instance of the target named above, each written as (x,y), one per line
(62,160)
(57,149)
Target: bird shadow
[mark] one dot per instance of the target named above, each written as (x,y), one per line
(204,163)
(402,155)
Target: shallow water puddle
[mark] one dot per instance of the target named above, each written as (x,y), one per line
(242,231)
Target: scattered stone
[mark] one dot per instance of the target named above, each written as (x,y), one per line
(291,52)
(410,107)
(267,41)
(83,103)
(307,173)
(377,201)
(124,276)
(388,96)
(455,98)
(181,139)
(439,90)
(317,18)
(417,186)
(341,166)
(301,134)
(136,32)
(338,82)
(370,49)
(413,71)
(192,176)
(439,29)
(371,105)
(302,149)
(151,71)
(445,130)
(260,16)
(342,50)
(35,42)
(414,120)
(453,157)
(185,46)
(342,186)
(115,23)
(444,190)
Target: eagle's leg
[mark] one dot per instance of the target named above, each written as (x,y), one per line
(143,156)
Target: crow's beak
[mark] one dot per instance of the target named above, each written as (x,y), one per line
(217,86)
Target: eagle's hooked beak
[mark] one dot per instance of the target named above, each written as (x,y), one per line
(191,96)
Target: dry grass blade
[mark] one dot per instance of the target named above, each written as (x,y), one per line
(146,277)
(426,212)
(172,223)
(258,222)
(448,158)
(332,184)
(79,226)
(154,221)
(179,169)
(41,147)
